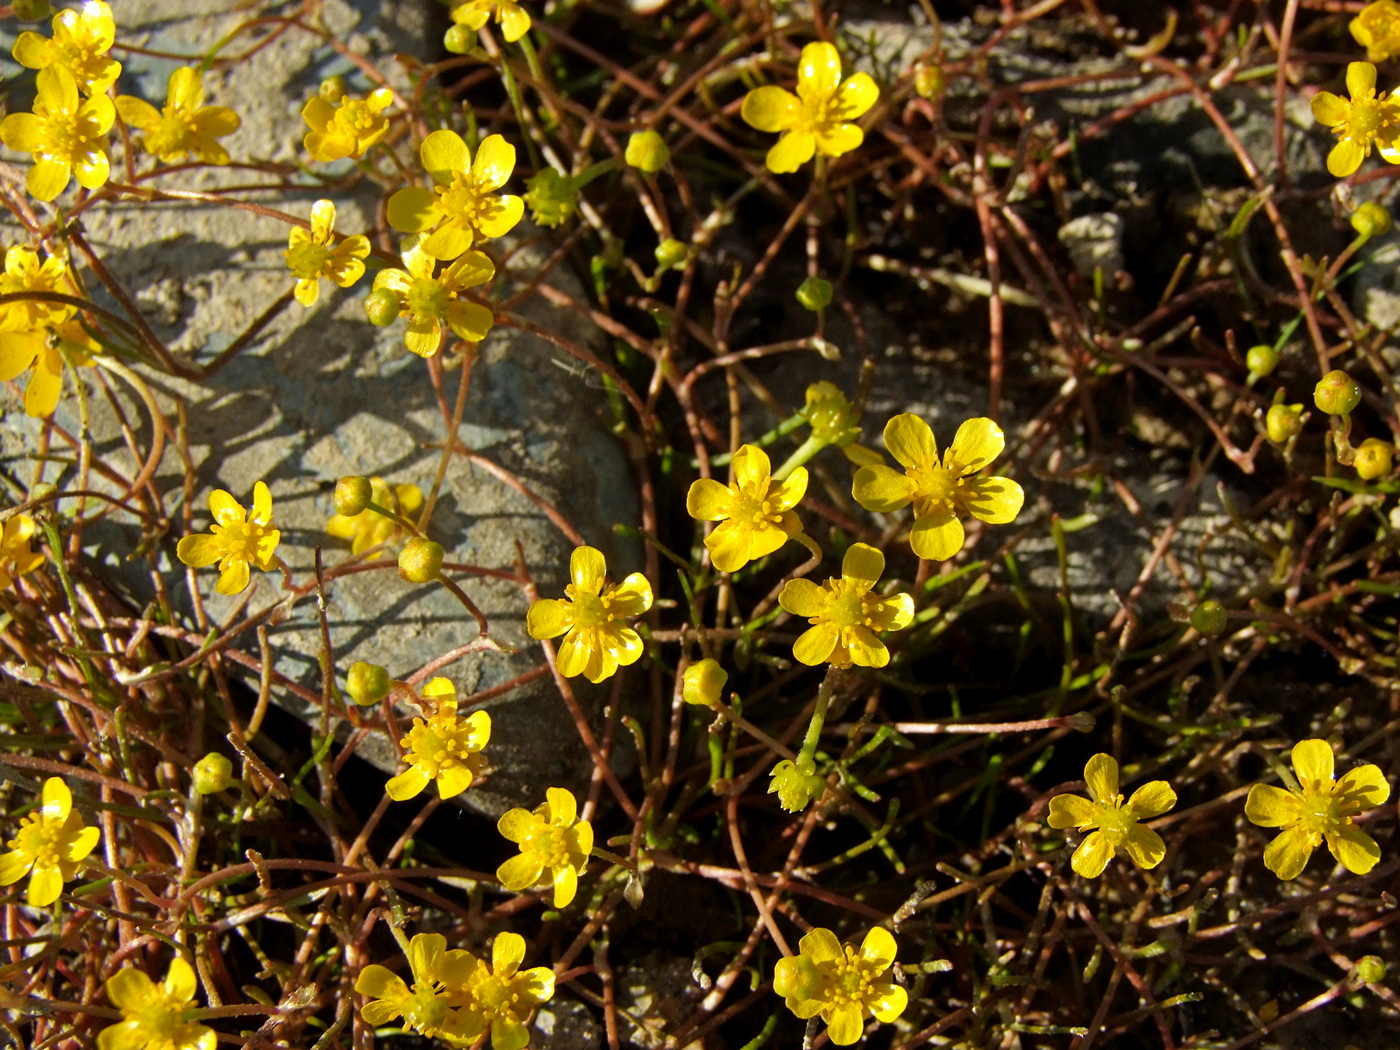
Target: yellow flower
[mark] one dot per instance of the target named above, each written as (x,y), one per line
(24,273)
(502,996)
(155,1016)
(347,126)
(845,615)
(461,208)
(554,846)
(1367,118)
(81,40)
(49,844)
(513,19)
(186,127)
(426,1008)
(816,119)
(1377,29)
(428,302)
(15,556)
(831,416)
(702,682)
(1115,823)
(756,518)
(796,783)
(1321,810)
(840,983)
(369,529)
(238,539)
(442,747)
(311,255)
(940,492)
(44,349)
(592,618)
(67,136)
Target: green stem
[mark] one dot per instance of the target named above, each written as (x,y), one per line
(805,451)
(807,755)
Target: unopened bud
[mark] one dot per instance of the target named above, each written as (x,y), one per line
(671,254)
(703,682)
(352,495)
(366,683)
(648,151)
(212,773)
(929,81)
(1260,360)
(1337,393)
(1283,422)
(1371,219)
(382,306)
(1374,459)
(814,293)
(420,561)
(1371,969)
(1210,618)
(332,89)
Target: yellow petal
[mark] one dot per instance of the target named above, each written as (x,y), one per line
(802,597)
(495,160)
(891,1001)
(470,321)
(448,241)
(13,867)
(82,844)
(821,945)
(423,338)
(470,270)
(563,807)
(881,489)
(444,154)
(565,886)
(515,23)
(893,613)
(1144,846)
(878,948)
(407,784)
(834,140)
(1330,109)
(262,503)
(412,209)
(632,596)
(131,990)
(452,782)
(180,983)
(910,441)
(1312,759)
(1366,784)
(498,217)
(788,493)
(708,500)
(865,649)
(226,510)
(1361,79)
(1272,807)
(844,1025)
(375,981)
(994,500)
(863,563)
(549,618)
(703,682)
(937,537)
(574,655)
(626,645)
(56,800)
(520,871)
(815,644)
(854,97)
(1101,775)
(587,569)
(1152,800)
(47,179)
(234,579)
(752,469)
(1356,850)
(770,108)
(977,442)
(1072,811)
(818,71)
(1092,856)
(45,886)
(507,953)
(1345,158)
(792,151)
(322,221)
(1288,854)
(138,113)
(198,552)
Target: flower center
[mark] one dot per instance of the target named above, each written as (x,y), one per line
(591,610)
(308,259)
(239,542)
(850,980)
(440,743)
(427,299)
(498,996)
(933,486)
(36,839)
(548,843)
(426,1010)
(354,116)
(1369,117)
(159,1023)
(1115,821)
(462,200)
(1324,810)
(756,509)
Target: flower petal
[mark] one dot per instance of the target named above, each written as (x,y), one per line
(45,886)
(13,867)
(549,618)
(820,945)
(507,953)
(1330,109)
(180,984)
(1366,784)
(792,151)
(520,871)
(83,843)
(587,569)
(752,469)
(1288,854)
(996,501)
(198,552)
(910,441)
(130,990)
(453,781)
(563,808)
(938,536)
(891,1001)
(495,160)
(444,154)
(234,579)
(977,442)
(1101,774)
(1144,846)
(844,1025)
(818,71)
(1345,158)
(770,108)
(708,500)
(262,503)
(879,488)
(878,948)
(834,140)
(1361,79)
(632,596)
(815,644)
(56,800)
(789,492)
(1073,811)
(1152,800)
(802,597)
(1092,856)
(1312,759)
(1356,850)
(565,886)
(575,654)
(408,783)
(854,97)
(375,981)
(1272,807)
(863,564)
(412,209)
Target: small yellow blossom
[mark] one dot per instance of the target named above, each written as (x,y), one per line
(817,118)
(44,350)
(756,517)
(702,682)
(1321,810)
(442,748)
(15,556)
(368,528)
(49,845)
(155,1016)
(67,135)
(427,1007)
(345,126)
(841,984)
(1114,823)
(311,255)
(592,617)
(554,846)
(831,416)
(80,42)
(1368,118)
(513,19)
(1377,29)
(24,273)
(845,614)
(239,539)
(186,127)
(941,493)
(796,783)
(502,997)
(429,302)
(462,208)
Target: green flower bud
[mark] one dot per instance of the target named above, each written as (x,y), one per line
(332,89)
(831,417)
(1337,393)
(1371,219)
(1260,360)
(420,561)
(459,40)
(212,773)
(814,293)
(1283,422)
(796,785)
(1374,459)
(671,254)
(1209,618)
(929,81)
(1371,969)
(702,682)
(382,306)
(366,683)
(551,197)
(648,151)
(352,495)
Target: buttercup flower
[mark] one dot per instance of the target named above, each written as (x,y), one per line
(81,40)
(312,254)
(428,302)
(592,617)
(186,127)
(941,493)
(426,1008)
(25,273)
(15,556)
(67,135)
(239,539)
(702,682)
(841,984)
(796,783)
(369,529)
(513,19)
(49,845)
(344,126)
(845,614)
(756,517)
(1368,118)
(1115,824)
(502,996)
(1377,29)
(44,350)
(1320,811)
(442,747)
(817,118)
(554,846)
(155,1016)
(462,207)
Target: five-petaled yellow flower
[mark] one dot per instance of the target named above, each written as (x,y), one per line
(369,529)
(155,1016)
(554,846)
(1112,823)
(80,42)
(463,207)
(755,516)
(67,135)
(1368,118)
(841,984)
(592,617)
(186,127)
(49,846)
(442,748)
(513,19)
(25,273)
(817,118)
(845,614)
(428,1007)
(428,301)
(1377,29)
(941,492)
(345,126)
(312,254)
(44,350)
(502,997)
(15,556)
(1320,811)
(239,539)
